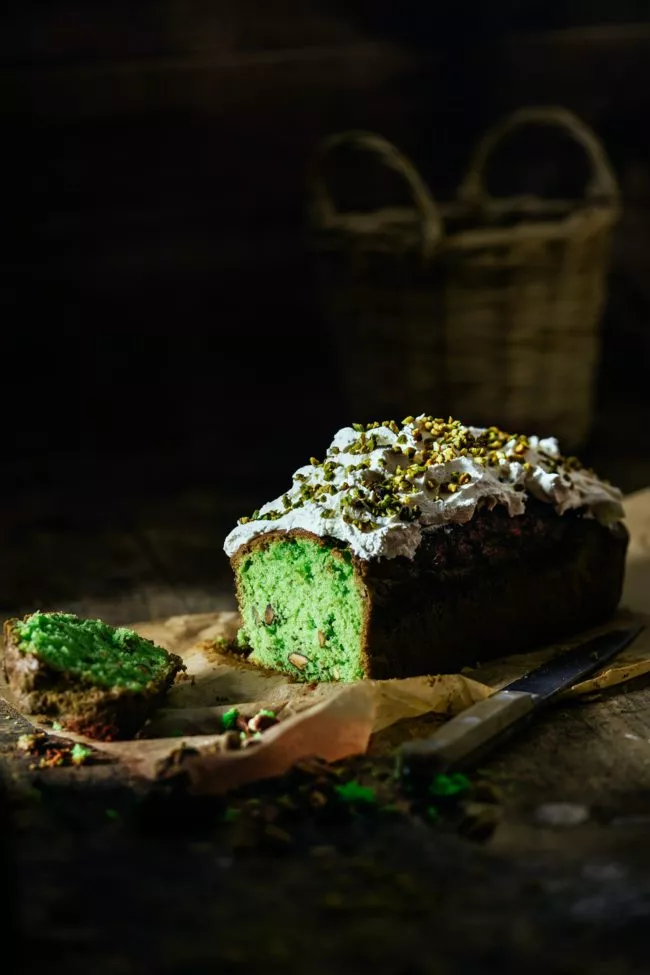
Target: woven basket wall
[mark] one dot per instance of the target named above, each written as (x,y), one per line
(496,323)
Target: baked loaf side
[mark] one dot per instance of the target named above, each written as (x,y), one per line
(95,679)
(496,586)
(426,547)
(492,587)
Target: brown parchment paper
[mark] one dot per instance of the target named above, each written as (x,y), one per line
(332,721)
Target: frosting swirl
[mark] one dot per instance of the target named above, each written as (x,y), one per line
(382,484)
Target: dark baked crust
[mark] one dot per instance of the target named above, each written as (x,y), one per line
(494,586)
(105,714)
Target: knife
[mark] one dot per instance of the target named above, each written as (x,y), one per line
(482,726)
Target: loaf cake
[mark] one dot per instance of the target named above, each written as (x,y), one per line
(95,679)
(424,546)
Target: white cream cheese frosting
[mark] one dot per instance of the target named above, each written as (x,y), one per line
(381,485)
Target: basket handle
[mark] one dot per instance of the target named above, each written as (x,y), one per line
(603,182)
(323,208)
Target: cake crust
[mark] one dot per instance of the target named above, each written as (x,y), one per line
(494,587)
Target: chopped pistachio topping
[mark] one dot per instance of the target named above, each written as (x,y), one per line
(439,442)
(388,477)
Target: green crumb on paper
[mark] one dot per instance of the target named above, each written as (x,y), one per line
(229,719)
(449,785)
(80,754)
(242,640)
(354,792)
(266,713)
(57,726)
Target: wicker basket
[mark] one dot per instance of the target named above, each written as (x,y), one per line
(497,322)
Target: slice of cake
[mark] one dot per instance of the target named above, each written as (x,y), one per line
(423,547)
(95,679)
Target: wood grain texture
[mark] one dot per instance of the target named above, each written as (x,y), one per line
(398,897)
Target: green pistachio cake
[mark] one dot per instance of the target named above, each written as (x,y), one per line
(424,546)
(93,678)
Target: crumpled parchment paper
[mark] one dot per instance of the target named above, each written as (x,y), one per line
(331,721)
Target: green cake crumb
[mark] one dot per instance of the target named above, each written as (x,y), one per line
(229,719)
(101,655)
(449,785)
(354,792)
(242,640)
(80,754)
(314,638)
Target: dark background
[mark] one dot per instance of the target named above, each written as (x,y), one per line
(160,325)
(159,331)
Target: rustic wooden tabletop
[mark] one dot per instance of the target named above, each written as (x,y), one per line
(107,875)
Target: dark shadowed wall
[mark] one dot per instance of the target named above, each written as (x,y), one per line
(158,306)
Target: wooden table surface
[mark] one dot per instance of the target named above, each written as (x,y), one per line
(99,886)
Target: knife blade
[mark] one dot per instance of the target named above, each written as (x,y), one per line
(482,726)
